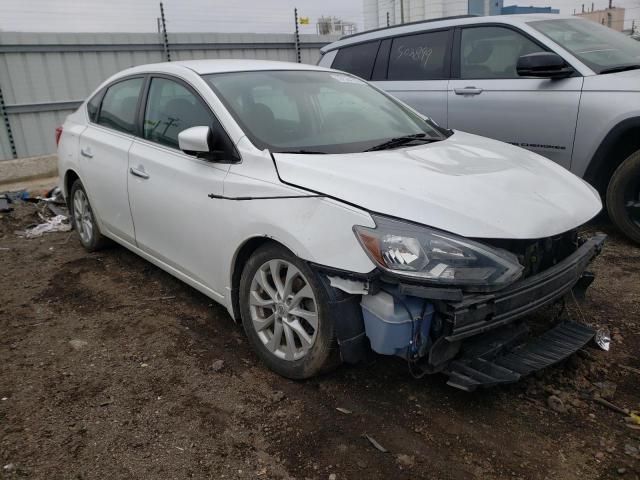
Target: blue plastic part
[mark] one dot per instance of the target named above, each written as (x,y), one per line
(392,321)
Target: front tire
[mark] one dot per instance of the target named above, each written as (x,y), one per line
(83,219)
(623,197)
(286,314)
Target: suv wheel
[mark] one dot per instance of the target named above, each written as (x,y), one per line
(83,219)
(623,197)
(285,314)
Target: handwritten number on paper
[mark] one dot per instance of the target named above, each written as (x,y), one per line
(420,55)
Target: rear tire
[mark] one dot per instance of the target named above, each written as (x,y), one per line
(288,321)
(84,220)
(623,197)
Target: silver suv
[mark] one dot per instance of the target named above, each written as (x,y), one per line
(564,87)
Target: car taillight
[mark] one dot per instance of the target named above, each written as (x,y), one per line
(58,135)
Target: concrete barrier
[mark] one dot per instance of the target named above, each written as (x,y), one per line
(27,169)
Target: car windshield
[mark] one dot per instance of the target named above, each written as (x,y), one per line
(599,47)
(301,111)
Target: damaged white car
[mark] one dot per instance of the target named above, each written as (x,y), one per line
(331,218)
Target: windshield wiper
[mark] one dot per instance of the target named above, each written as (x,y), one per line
(620,68)
(307,152)
(404,140)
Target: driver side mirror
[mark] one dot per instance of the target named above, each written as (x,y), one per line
(543,65)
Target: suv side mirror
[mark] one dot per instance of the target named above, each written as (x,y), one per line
(196,140)
(543,65)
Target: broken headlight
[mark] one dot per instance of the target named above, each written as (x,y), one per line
(435,256)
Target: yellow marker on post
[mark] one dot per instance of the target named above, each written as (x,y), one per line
(304,20)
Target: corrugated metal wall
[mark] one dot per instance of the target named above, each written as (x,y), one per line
(43,76)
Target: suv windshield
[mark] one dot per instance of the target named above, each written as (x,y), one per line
(597,46)
(301,111)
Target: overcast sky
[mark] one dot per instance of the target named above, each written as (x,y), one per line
(208,15)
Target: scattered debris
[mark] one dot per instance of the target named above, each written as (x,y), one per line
(405,460)
(59,223)
(375,443)
(217,365)
(606,389)
(344,410)
(4,203)
(277,396)
(78,344)
(108,401)
(633,418)
(9,467)
(611,406)
(631,369)
(144,365)
(333,476)
(603,338)
(556,404)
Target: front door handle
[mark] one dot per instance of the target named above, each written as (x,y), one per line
(139,173)
(468,91)
(86,152)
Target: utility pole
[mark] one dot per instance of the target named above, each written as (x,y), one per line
(388,24)
(297,35)
(401,11)
(165,38)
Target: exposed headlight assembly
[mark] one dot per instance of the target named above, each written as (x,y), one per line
(437,257)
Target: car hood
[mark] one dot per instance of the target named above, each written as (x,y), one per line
(628,81)
(466,184)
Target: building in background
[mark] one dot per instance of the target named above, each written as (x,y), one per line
(335,26)
(612,17)
(517,10)
(380,13)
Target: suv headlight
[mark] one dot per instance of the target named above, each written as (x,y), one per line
(435,256)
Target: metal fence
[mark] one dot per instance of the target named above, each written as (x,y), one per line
(45,76)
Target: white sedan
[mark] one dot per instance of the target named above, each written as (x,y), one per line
(330,218)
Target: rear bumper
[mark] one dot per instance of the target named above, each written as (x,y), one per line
(477,313)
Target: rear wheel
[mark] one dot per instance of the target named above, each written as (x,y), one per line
(83,219)
(623,197)
(286,315)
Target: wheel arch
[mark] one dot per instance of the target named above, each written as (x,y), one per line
(621,141)
(70,176)
(240,258)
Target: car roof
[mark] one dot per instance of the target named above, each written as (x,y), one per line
(426,25)
(203,67)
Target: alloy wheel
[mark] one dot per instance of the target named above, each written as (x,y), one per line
(284,310)
(82,216)
(632,200)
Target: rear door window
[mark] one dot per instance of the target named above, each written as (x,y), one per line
(119,105)
(424,56)
(357,59)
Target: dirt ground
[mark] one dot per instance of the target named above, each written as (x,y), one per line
(111,368)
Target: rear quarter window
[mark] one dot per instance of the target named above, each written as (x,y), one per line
(119,105)
(357,59)
(93,106)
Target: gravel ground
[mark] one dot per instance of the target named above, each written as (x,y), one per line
(111,368)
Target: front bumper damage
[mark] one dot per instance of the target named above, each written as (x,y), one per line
(482,339)
(476,314)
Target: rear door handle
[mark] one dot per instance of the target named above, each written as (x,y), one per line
(139,173)
(86,152)
(468,91)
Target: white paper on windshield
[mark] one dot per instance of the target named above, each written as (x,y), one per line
(346,78)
